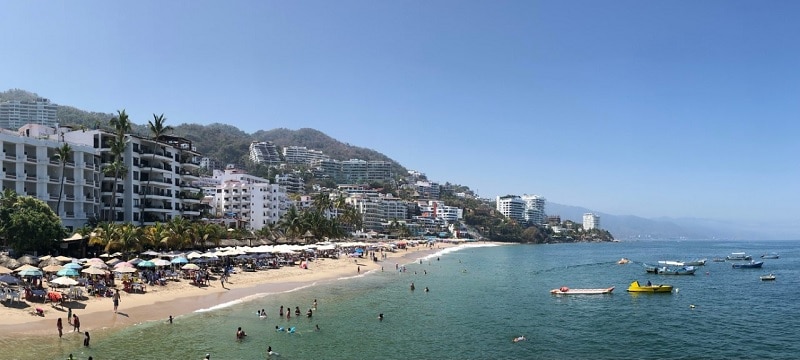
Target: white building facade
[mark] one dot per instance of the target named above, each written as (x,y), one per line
(591,221)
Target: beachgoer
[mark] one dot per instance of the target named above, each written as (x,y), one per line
(69,315)
(316,328)
(208,357)
(280,312)
(70,357)
(60,327)
(240,334)
(359,269)
(309,313)
(222,281)
(115,298)
(648,283)
(314,304)
(519,338)
(380,317)
(76,323)
(86,339)
(296,311)
(170,319)
(426,289)
(269,350)
(412,286)
(278,328)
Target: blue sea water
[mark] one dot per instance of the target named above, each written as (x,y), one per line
(480,298)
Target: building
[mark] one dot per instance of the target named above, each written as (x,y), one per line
(534,209)
(293,183)
(300,155)
(354,170)
(250,205)
(511,206)
(591,221)
(30,168)
(14,114)
(264,152)
(159,183)
(427,190)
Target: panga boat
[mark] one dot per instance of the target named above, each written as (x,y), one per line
(769,277)
(666,270)
(567,291)
(738,256)
(750,265)
(770,256)
(660,288)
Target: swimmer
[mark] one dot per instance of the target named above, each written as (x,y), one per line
(519,338)
(290,330)
(426,289)
(278,328)
(412,286)
(240,334)
(309,313)
(316,328)
(380,317)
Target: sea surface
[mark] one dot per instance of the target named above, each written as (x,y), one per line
(480,298)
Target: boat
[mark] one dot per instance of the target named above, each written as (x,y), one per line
(770,256)
(649,288)
(567,291)
(623,261)
(695,262)
(750,265)
(667,270)
(670,263)
(738,256)
(769,277)
(718,259)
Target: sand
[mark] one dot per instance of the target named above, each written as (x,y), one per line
(181,297)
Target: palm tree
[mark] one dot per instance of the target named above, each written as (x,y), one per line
(115,169)
(121,123)
(62,155)
(157,130)
(292,223)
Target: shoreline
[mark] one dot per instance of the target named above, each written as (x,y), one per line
(178,299)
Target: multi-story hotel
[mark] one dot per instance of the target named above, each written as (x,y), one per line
(30,167)
(250,200)
(355,171)
(15,114)
(159,183)
(534,209)
(511,206)
(591,221)
(302,155)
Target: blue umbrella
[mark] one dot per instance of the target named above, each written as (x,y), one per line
(68,272)
(146,263)
(73,265)
(30,272)
(8,279)
(179,260)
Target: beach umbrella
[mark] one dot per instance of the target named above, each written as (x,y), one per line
(11,263)
(122,265)
(113,262)
(4,270)
(66,281)
(52,268)
(73,265)
(25,267)
(63,259)
(98,265)
(105,255)
(46,257)
(28,259)
(94,271)
(146,263)
(124,270)
(30,272)
(160,262)
(8,279)
(135,261)
(68,272)
(151,253)
(49,262)
(190,267)
(179,260)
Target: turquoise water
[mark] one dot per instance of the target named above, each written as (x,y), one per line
(503,293)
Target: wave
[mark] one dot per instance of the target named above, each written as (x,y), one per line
(252,297)
(454,249)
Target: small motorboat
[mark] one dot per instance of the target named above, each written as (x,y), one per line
(649,288)
(623,261)
(750,265)
(769,277)
(667,270)
(738,256)
(567,291)
(770,256)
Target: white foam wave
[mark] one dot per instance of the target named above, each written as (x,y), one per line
(251,298)
(454,249)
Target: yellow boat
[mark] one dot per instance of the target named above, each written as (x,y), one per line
(661,288)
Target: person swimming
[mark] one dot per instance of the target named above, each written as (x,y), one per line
(426,289)
(240,334)
(290,330)
(412,286)
(278,328)
(519,338)
(380,317)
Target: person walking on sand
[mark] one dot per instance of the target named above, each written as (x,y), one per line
(115,298)
(60,327)
(222,281)
(76,323)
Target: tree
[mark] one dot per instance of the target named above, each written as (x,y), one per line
(62,155)
(115,169)
(157,130)
(29,224)
(122,126)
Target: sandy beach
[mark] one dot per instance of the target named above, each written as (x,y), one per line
(181,297)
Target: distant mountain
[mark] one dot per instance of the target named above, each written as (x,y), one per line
(629,227)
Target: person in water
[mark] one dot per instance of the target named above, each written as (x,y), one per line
(240,334)
(519,338)
(296,311)
(316,328)
(412,286)
(278,328)
(380,317)
(86,339)
(426,289)
(648,283)
(309,313)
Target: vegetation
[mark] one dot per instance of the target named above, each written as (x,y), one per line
(28,224)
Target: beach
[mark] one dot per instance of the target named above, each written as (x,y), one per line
(180,297)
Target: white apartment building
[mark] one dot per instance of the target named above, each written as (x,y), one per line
(440,211)
(30,168)
(427,190)
(377,210)
(264,152)
(355,171)
(534,209)
(591,221)
(252,201)
(293,183)
(159,183)
(15,114)
(302,155)
(511,206)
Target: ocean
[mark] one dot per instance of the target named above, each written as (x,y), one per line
(481,297)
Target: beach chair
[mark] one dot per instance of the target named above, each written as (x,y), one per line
(14,296)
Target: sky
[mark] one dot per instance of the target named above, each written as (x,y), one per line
(648,108)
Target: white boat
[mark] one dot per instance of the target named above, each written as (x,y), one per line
(695,262)
(769,277)
(738,256)
(567,291)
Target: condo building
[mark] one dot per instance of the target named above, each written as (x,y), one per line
(264,152)
(591,221)
(534,209)
(15,114)
(300,155)
(511,206)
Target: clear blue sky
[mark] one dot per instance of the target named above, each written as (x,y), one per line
(649,108)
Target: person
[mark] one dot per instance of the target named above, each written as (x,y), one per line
(76,323)
(316,328)
(519,338)
(359,269)
(170,319)
(412,286)
(380,317)
(240,333)
(648,283)
(426,289)
(115,298)
(296,311)
(278,328)
(222,281)
(280,312)
(309,313)
(314,304)
(269,350)
(69,315)
(60,327)
(86,339)
(290,330)
(208,357)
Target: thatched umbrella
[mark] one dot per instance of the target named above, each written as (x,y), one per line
(4,270)
(52,268)
(48,262)
(28,259)
(11,263)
